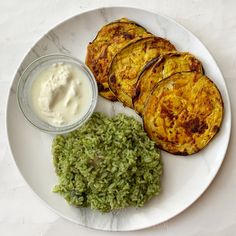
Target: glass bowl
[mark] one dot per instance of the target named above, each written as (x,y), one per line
(25,85)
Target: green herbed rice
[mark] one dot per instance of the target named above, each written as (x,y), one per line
(107,164)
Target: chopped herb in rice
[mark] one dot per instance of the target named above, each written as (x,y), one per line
(107,164)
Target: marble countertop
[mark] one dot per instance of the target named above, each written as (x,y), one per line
(22,23)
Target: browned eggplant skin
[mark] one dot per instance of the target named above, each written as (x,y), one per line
(161,68)
(183,113)
(135,75)
(109,40)
(130,61)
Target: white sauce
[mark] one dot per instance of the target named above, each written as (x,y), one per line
(61,94)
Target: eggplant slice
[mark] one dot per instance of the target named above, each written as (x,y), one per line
(109,40)
(183,113)
(159,69)
(128,63)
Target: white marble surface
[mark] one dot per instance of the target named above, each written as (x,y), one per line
(180,188)
(21,213)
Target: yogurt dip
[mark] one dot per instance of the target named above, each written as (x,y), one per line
(61,94)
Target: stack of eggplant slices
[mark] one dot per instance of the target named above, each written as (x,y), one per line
(182,109)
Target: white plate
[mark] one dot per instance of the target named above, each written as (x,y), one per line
(185,178)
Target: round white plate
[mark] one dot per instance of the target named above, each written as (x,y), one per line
(184,179)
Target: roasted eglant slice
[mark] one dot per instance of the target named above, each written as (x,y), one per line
(109,40)
(183,113)
(129,62)
(161,68)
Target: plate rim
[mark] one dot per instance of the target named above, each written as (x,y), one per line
(90,10)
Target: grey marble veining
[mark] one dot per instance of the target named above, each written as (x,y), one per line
(72,37)
(55,41)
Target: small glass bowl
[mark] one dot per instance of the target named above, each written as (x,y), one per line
(24,89)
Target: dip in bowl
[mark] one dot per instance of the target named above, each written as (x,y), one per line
(57,93)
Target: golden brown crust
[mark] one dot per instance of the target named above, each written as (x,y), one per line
(161,68)
(129,62)
(183,113)
(109,40)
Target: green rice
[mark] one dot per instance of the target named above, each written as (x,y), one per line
(107,164)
